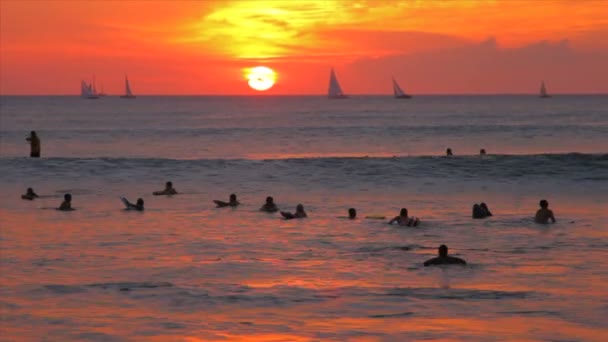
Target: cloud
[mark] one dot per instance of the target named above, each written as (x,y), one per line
(484,68)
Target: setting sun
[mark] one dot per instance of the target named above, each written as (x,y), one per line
(260,78)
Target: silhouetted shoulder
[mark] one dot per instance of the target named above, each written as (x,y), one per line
(449,260)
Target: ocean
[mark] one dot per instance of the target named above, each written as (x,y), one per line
(183,270)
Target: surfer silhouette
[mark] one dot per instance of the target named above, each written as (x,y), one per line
(34,144)
(544,214)
(29,194)
(444,259)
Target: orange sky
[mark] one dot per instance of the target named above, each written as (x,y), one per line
(201,47)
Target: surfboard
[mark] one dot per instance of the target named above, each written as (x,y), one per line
(287,216)
(125,202)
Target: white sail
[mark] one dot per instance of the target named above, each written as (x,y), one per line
(543,90)
(335,91)
(128,93)
(84,89)
(127,87)
(87,91)
(398,92)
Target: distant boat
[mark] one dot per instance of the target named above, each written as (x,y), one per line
(101,92)
(335,91)
(128,94)
(399,93)
(543,90)
(87,91)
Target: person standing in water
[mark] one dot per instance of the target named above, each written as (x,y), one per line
(66,205)
(34,144)
(300,213)
(444,259)
(169,190)
(269,206)
(404,220)
(481,211)
(352,213)
(448,152)
(544,214)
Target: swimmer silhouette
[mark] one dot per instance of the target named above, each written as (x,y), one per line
(404,220)
(300,213)
(481,211)
(231,203)
(139,205)
(544,214)
(29,194)
(34,144)
(444,259)
(269,206)
(352,213)
(66,205)
(448,152)
(169,190)
(482,152)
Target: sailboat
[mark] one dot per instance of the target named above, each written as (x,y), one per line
(543,90)
(101,92)
(399,93)
(335,91)
(128,94)
(87,91)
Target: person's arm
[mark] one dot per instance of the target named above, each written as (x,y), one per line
(551,216)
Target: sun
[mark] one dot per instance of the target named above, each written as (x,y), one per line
(260,77)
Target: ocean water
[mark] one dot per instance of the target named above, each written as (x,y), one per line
(183,270)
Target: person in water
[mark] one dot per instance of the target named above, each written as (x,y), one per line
(448,152)
(169,190)
(139,205)
(232,202)
(29,194)
(269,206)
(444,258)
(66,205)
(352,213)
(300,213)
(482,152)
(544,214)
(404,220)
(34,144)
(481,211)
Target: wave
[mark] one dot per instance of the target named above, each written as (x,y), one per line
(570,166)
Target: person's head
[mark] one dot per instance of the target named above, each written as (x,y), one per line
(67,197)
(168,185)
(482,151)
(299,208)
(30,191)
(140,202)
(448,151)
(269,200)
(33,133)
(443,251)
(403,212)
(352,213)
(232,198)
(483,206)
(544,204)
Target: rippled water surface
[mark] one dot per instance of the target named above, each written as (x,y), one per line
(183,270)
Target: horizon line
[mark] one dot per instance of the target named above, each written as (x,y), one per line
(324,95)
